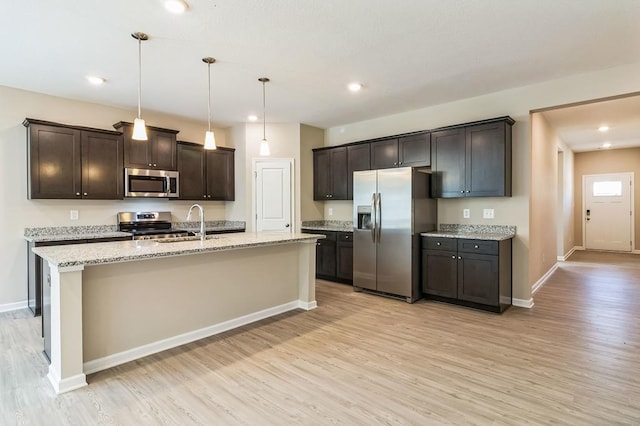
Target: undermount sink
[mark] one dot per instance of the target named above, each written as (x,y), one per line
(188,238)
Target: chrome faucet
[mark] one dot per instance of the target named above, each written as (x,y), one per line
(203,233)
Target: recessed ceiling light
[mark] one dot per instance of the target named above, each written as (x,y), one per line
(176,6)
(603,128)
(252,118)
(606,145)
(95,80)
(355,87)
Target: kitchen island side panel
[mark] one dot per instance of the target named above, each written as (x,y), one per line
(128,305)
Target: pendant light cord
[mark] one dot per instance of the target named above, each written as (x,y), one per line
(139,74)
(209,105)
(264,113)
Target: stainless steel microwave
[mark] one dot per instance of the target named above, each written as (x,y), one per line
(151,183)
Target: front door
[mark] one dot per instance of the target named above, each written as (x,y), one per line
(273,195)
(608,211)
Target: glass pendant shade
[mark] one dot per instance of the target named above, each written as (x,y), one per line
(209,140)
(264,148)
(139,130)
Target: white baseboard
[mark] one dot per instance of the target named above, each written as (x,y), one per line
(544,278)
(578,248)
(522,303)
(566,256)
(109,361)
(307,306)
(7,307)
(66,385)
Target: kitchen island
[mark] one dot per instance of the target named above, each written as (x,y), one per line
(115,302)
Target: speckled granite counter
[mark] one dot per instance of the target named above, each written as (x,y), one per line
(329,225)
(474,232)
(65,233)
(127,251)
(213,226)
(92,232)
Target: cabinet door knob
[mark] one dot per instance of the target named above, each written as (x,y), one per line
(149,164)
(395,164)
(462,192)
(438,244)
(400,163)
(78,194)
(468,191)
(453,257)
(459,258)
(204,196)
(476,246)
(346,237)
(84,193)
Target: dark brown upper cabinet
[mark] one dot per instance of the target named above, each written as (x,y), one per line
(73,162)
(414,150)
(384,154)
(158,152)
(330,174)
(405,151)
(204,174)
(473,160)
(358,158)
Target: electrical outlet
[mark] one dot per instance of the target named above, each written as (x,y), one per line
(330,211)
(466,213)
(73,214)
(487,213)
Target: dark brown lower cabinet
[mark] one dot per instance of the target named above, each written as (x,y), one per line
(474,273)
(344,256)
(334,256)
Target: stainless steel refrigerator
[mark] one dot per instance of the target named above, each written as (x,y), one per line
(391,207)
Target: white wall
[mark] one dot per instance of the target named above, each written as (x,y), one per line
(516,103)
(284,142)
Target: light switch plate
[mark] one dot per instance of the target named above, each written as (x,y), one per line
(466,213)
(487,213)
(73,214)
(330,211)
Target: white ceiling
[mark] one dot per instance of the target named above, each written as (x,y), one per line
(578,126)
(407,53)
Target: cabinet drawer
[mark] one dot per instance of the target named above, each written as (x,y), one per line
(478,246)
(345,237)
(439,243)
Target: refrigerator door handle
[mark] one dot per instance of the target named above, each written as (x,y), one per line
(378,217)
(373,217)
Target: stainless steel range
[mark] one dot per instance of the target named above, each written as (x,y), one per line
(149,225)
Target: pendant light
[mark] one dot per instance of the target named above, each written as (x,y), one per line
(139,129)
(209,137)
(264,146)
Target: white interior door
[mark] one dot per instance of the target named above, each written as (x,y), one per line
(273,195)
(608,211)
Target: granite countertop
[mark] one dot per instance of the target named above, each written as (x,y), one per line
(211,225)
(329,225)
(126,251)
(91,232)
(65,233)
(474,232)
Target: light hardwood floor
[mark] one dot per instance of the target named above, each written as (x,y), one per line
(361,359)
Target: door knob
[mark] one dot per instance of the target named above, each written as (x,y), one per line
(287,225)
